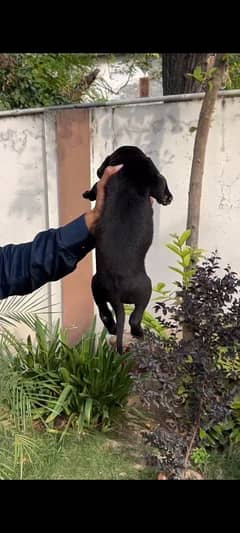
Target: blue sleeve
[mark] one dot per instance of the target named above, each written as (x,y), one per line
(53,254)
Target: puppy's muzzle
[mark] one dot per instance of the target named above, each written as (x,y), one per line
(168,198)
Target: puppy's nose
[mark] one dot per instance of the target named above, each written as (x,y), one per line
(168,199)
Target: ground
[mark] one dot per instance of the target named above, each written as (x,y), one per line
(151,443)
(92,456)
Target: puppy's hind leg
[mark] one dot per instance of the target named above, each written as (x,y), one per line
(142,297)
(104,311)
(120,318)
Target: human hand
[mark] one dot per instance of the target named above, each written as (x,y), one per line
(93,216)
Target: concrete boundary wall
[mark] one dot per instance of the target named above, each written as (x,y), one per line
(50,156)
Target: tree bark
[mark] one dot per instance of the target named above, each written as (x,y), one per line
(200,145)
(175,68)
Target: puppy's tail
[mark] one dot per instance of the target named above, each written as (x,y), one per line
(120,319)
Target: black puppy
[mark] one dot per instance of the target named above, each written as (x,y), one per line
(123,238)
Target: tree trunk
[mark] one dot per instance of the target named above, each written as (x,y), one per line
(200,145)
(175,68)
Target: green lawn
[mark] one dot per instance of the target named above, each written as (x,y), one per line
(96,456)
(89,457)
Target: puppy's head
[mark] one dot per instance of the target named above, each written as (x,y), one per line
(140,169)
(130,156)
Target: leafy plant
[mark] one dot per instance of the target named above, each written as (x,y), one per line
(231,367)
(204,380)
(6,468)
(87,383)
(200,456)
(25,448)
(203,77)
(187,260)
(188,257)
(16,448)
(232,80)
(226,433)
(30,80)
(23,309)
(208,305)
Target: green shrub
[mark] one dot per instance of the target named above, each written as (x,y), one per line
(88,383)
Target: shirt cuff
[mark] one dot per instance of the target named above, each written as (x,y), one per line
(76,237)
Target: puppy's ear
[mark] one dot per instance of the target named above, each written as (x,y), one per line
(156,190)
(92,194)
(104,165)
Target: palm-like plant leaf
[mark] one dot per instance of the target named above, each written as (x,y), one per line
(24,309)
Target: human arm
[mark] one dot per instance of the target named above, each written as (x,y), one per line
(53,253)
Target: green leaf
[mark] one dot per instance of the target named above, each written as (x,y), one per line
(202,434)
(176,270)
(184,237)
(88,410)
(186,260)
(159,287)
(181,390)
(198,73)
(60,403)
(187,250)
(174,249)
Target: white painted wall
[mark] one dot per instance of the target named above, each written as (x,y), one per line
(29,174)
(28,177)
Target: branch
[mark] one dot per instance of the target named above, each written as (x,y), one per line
(84,84)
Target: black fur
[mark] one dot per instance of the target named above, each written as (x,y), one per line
(124,236)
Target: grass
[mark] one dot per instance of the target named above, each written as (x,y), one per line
(223,466)
(89,457)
